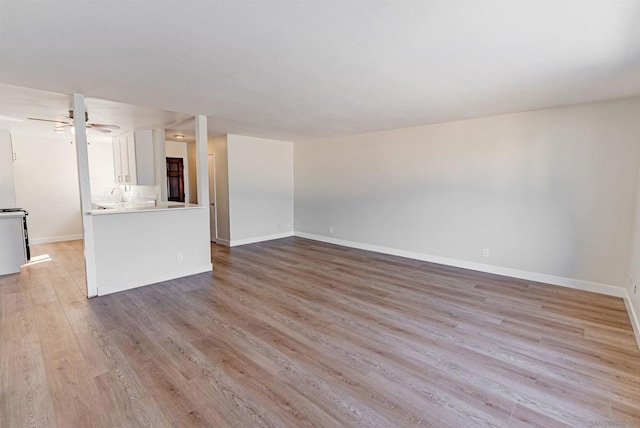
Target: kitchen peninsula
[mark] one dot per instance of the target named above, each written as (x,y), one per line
(135,207)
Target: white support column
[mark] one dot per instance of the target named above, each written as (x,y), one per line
(202,169)
(202,164)
(82,155)
(160,155)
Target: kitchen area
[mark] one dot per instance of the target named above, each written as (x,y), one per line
(14,235)
(140,179)
(134,203)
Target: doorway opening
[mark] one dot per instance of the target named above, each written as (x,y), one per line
(175,180)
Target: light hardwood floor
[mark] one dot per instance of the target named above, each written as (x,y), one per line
(300,333)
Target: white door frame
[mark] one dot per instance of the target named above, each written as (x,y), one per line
(212,191)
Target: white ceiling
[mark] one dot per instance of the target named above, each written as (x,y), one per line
(320,68)
(18,103)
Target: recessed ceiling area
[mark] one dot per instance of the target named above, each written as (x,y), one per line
(317,68)
(17,104)
(183,132)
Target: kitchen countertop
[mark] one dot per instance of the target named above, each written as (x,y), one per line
(127,208)
(12,214)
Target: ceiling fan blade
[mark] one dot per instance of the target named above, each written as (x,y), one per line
(47,120)
(101,125)
(104,131)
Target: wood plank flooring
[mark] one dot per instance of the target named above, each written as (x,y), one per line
(293,333)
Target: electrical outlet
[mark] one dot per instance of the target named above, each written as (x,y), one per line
(331,229)
(179,257)
(485,252)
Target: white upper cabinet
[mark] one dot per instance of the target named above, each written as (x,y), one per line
(133,158)
(118,175)
(7,189)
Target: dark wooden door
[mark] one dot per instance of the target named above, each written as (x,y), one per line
(175,179)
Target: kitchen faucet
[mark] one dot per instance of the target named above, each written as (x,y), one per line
(121,193)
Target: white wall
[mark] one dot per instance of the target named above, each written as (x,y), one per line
(46,181)
(260,188)
(101,169)
(176,149)
(218,146)
(634,284)
(550,191)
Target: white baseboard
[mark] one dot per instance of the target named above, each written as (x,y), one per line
(235,243)
(635,320)
(609,290)
(63,238)
(151,279)
(224,242)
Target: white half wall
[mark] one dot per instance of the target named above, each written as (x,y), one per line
(550,192)
(141,248)
(260,188)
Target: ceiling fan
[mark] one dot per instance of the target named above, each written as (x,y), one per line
(100,127)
